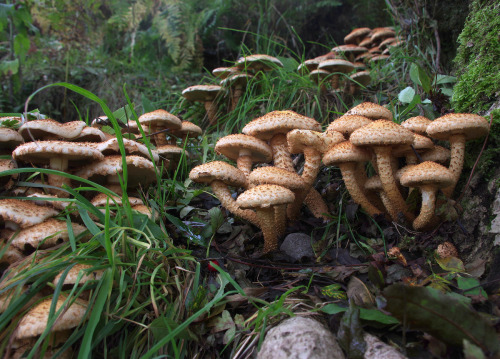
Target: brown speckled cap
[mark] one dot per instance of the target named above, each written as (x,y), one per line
(470,125)
(355,35)
(218,171)
(417,124)
(9,138)
(110,147)
(371,110)
(427,173)
(258,62)
(336,65)
(265,195)
(46,234)
(362,77)
(72,274)
(437,154)
(24,213)
(383,133)
(277,122)
(447,249)
(160,119)
(347,124)
(277,176)
(44,151)
(236,80)
(35,321)
(346,152)
(308,66)
(232,145)
(223,72)
(49,128)
(353,49)
(201,93)
(188,129)
(102,198)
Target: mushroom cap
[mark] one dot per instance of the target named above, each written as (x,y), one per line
(35,321)
(258,62)
(420,144)
(336,65)
(140,170)
(277,176)
(371,110)
(279,122)
(353,49)
(447,249)
(379,58)
(6,165)
(160,119)
(72,274)
(427,173)
(308,65)
(43,151)
(223,72)
(102,198)
(50,232)
(237,80)
(347,124)
(231,145)
(90,134)
(364,56)
(363,77)
(366,42)
(24,213)
(318,75)
(188,129)
(359,65)
(203,93)
(382,33)
(298,140)
(360,32)
(265,195)
(111,147)
(437,154)
(40,129)
(417,124)
(373,184)
(386,42)
(218,171)
(382,133)
(470,125)
(346,152)
(9,138)
(376,50)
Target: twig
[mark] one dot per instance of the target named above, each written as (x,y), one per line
(438,47)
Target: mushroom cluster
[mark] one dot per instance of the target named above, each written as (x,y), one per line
(403,156)
(233,80)
(363,46)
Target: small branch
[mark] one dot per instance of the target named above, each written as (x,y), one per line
(438,47)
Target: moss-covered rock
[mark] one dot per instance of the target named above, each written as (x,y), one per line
(477,64)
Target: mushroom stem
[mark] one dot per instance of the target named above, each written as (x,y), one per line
(386,174)
(317,205)
(269,229)
(159,138)
(59,164)
(244,162)
(311,165)
(335,81)
(211,109)
(280,218)
(427,209)
(348,171)
(457,151)
(223,194)
(281,155)
(237,93)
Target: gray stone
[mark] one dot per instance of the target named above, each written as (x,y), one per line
(300,338)
(297,246)
(377,349)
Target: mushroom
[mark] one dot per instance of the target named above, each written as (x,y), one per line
(18,214)
(49,129)
(9,140)
(208,94)
(318,76)
(346,156)
(382,136)
(373,184)
(224,72)
(245,150)
(188,130)
(457,128)
(237,83)
(371,111)
(428,177)
(58,155)
(219,175)
(111,147)
(79,270)
(437,154)
(357,35)
(264,199)
(347,124)
(308,66)
(417,124)
(420,144)
(361,78)
(258,62)
(335,67)
(159,121)
(350,51)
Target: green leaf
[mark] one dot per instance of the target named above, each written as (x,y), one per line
(444,79)
(9,67)
(451,264)
(351,333)
(406,95)
(440,315)
(420,77)
(216,218)
(374,315)
(472,284)
(21,45)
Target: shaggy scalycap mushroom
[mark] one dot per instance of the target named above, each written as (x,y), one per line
(336,66)
(417,124)
(347,124)
(79,269)
(258,62)
(160,120)
(49,129)
(371,110)
(21,214)
(237,83)
(263,199)
(457,128)
(207,94)
(356,35)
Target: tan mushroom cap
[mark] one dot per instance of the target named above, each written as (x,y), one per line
(160,119)
(49,200)
(102,198)
(6,165)
(417,124)
(72,274)
(353,49)
(232,146)
(258,62)
(336,65)
(299,140)
(279,122)
(224,72)
(46,234)
(365,56)
(111,147)
(41,129)
(386,42)
(420,144)
(366,42)
(237,80)
(90,134)
(437,154)
(446,249)
(202,93)
(347,124)
(381,132)
(355,35)
(44,151)
(378,58)
(277,176)
(426,173)
(188,129)
(318,75)
(140,170)
(9,138)
(220,171)
(264,196)
(35,321)
(308,65)
(382,33)
(24,213)
(346,152)
(9,255)
(371,110)
(362,77)
(470,125)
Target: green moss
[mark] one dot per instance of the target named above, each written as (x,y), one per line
(477,62)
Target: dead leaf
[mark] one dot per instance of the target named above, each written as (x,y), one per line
(359,293)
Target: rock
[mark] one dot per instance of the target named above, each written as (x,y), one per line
(495,223)
(377,349)
(297,246)
(300,338)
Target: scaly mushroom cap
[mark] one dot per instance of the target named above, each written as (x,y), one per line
(264,196)
(160,119)
(420,144)
(188,129)
(356,35)
(366,42)
(386,42)
(91,134)
(371,110)
(382,33)
(49,128)
(378,58)
(362,77)
(279,122)
(224,72)
(42,152)
(220,171)
(317,75)
(237,80)
(72,275)
(381,133)
(347,124)
(6,165)
(50,232)
(202,93)
(277,176)
(345,152)
(9,139)
(352,49)
(470,125)
(258,62)
(336,65)
(171,152)
(437,154)
(426,173)
(111,147)
(365,56)
(102,198)
(35,321)
(24,213)
(308,66)
(232,146)
(417,124)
